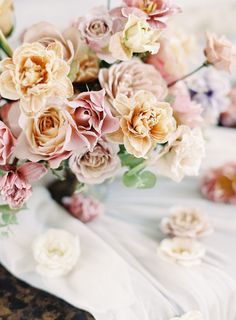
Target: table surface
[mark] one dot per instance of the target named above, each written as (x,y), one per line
(19,301)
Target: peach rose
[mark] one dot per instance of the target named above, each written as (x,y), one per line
(219,52)
(144,122)
(34,73)
(88,65)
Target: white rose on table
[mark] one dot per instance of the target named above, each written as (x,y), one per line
(56,253)
(193,315)
(183,251)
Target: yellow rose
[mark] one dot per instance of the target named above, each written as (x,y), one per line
(144,122)
(6,16)
(34,73)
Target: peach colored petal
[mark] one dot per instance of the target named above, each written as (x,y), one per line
(7,86)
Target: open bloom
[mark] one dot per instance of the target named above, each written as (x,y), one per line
(7,143)
(182,251)
(6,16)
(56,253)
(137,37)
(192,315)
(186,222)
(219,184)
(228,117)
(128,77)
(144,122)
(182,155)
(83,208)
(34,73)
(15,185)
(219,52)
(96,166)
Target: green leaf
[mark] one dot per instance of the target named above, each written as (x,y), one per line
(128,160)
(9,218)
(148,179)
(140,180)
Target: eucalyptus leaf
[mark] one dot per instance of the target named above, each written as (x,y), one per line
(148,179)
(140,180)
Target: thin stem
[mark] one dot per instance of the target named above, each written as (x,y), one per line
(4,45)
(205,64)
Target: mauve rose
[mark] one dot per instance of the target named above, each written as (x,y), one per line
(7,143)
(15,185)
(98,165)
(83,208)
(92,119)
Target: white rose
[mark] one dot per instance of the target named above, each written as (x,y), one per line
(182,251)
(193,315)
(56,253)
(183,154)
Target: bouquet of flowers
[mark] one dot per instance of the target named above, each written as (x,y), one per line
(108,92)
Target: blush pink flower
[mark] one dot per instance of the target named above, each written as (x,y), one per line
(228,118)
(92,119)
(157,11)
(219,52)
(7,143)
(219,185)
(83,208)
(10,113)
(15,185)
(186,111)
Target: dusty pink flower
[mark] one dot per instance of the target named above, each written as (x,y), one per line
(92,119)
(83,208)
(15,185)
(219,185)
(96,166)
(157,11)
(7,143)
(219,52)
(10,113)
(228,118)
(186,111)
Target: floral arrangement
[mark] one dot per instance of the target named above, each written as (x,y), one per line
(108,92)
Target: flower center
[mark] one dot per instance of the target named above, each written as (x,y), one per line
(98,28)
(148,6)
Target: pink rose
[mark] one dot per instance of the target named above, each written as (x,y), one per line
(83,208)
(219,52)
(228,118)
(7,143)
(15,185)
(10,113)
(186,111)
(219,184)
(92,119)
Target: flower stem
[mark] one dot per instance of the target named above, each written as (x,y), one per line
(4,45)
(205,64)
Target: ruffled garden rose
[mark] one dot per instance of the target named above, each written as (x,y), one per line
(56,253)
(182,155)
(92,119)
(96,166)
(192,315)
(186,222)
(228,117)
(45,33)
(46,136)
(15,185)
(182,251)
(7,143)
(34,73)
(186,111)
(144,122)
(219,52)
(128,78)
(84,208)
(219,184)
(137,37)
(6,16)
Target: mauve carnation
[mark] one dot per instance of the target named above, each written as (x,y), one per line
(7,143)
(129,77)
(83,208)
(228,118)
(219,184)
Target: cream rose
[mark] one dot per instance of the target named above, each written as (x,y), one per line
(186,222)
(56,253)
(137,37)
(98,165)
(183,251)
(34,73)
(192,315)
(183,154)
(6,16)
(144,122)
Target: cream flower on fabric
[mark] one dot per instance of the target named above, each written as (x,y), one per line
(33,73)
(182,251)
(193,315)
(56,253)
(186,222)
